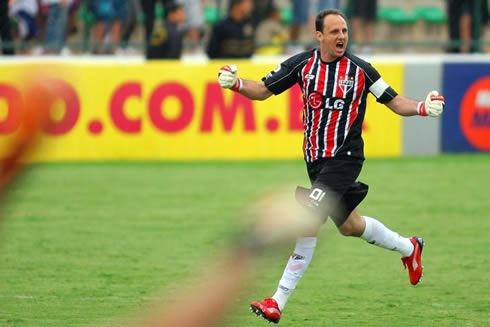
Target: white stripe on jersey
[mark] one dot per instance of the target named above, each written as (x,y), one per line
(360,98)
(305,92)
(330,112)
(325,84)
(326,131)
(305,105)
(337,66)
(335,140)
(314,111)
(329,119)
(378,88)
(347,123)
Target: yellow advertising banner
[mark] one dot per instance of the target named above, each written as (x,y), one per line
(173,111)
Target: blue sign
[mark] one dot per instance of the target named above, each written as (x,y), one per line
(465,121)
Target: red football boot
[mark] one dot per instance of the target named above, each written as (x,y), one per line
(413,261)
(268,309)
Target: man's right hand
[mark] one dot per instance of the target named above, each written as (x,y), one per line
(227,78)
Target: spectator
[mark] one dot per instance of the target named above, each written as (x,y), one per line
(129,25)
(363,22)
(262,10)
(5,33)
(56,24)
(233,37)
(148,7)
(303,12)
(271,34)
(461,26)
(167,37)
(109,15)
(24,13)
(71,28)
(194,23)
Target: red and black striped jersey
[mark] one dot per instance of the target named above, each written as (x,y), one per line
(334,97)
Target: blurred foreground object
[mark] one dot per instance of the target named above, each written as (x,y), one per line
(272,219)
(38,97)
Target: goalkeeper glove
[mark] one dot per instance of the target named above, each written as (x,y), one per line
(227,78)
(433,105)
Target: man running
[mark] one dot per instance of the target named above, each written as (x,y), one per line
(335,85)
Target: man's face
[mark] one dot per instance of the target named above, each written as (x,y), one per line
(333,39)
(246,7)
(179,16)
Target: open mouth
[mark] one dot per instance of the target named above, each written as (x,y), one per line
(339,45)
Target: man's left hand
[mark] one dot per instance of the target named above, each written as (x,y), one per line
(433,105)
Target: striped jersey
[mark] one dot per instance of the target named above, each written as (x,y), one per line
(334,100)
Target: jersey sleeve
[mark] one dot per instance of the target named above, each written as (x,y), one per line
(286,74)
(376,84)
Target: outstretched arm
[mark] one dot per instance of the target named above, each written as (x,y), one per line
(254,90)
(403,106)
(228,79)
(433,105)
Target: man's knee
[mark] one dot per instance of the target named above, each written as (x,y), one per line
(353,226)
(347,228)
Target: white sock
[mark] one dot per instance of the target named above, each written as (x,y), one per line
(376,233)
(296,267)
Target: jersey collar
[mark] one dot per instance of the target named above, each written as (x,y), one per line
(329,62)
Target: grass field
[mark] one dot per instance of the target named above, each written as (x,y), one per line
(84,244)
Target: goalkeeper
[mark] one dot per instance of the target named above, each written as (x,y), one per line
(335,85)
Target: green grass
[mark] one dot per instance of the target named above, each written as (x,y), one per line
(84,244)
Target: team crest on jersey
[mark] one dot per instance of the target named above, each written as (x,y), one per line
(315,100)
(346,84)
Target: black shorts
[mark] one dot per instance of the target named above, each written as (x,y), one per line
(337,178)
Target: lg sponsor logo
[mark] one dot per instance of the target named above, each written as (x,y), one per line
(317,101)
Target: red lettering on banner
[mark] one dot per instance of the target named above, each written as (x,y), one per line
(157,107)
(296,109)
(119,118)
(215,102)
(13,98)
(72,108)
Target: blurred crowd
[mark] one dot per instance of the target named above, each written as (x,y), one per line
(216,28)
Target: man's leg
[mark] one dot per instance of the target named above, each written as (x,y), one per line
(295,269)
(465,32)
(454,16)
(374,232)
(148,7)
(331,180)
(299,261)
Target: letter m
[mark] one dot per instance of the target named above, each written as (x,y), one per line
(215,103)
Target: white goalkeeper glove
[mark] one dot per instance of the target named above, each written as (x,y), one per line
(433,105)
(227,78)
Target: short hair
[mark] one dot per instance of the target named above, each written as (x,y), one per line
(233,3)
(172,6)
(324,13)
